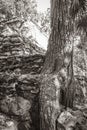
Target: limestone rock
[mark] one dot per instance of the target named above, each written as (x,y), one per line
(72,120)
(26,64)
(19,88)
(6,123)
(16,106)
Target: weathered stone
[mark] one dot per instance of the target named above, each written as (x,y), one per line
(19,92)
(31,64)
(16,106)
(6,123)
(72,120)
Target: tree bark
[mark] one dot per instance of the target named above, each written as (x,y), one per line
(58,68)
(55,56)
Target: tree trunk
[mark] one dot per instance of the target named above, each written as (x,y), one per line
(55,56)
(58,68)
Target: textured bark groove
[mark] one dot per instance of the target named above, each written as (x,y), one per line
(50,105)
(58,68)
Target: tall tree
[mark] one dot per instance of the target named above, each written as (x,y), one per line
(64,22)
(64,15)
(56,62)
(59,59)
(54,56)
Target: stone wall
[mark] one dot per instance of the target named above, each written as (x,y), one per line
(19,85)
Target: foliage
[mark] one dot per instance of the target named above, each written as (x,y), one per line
(25,9)
(17,13)
(45,21)
(19,8)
